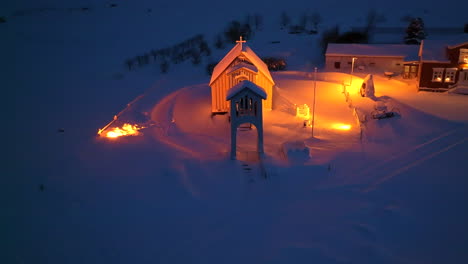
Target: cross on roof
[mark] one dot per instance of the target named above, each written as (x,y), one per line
(241,41)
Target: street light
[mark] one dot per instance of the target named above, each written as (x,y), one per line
(352,71)
(313,106)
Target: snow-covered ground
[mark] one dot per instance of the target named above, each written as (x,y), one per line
(394,194)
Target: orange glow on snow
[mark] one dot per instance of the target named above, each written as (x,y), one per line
(126,130)
(341,126)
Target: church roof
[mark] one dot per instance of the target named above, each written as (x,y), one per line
(240,49)
(242,65)
(246,85)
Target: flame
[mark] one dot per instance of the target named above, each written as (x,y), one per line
(341,126)
(126,130)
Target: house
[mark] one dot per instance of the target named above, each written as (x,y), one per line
(372,58)
(240,64)
(444,65)
(437,65)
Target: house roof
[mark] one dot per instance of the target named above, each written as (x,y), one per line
(246,85)
(408,52)
(435,50)
(240,49)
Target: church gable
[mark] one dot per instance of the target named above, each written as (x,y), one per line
(239,65)
(240,53)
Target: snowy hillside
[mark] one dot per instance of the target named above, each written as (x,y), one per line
(375,191)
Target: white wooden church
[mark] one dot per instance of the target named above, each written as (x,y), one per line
(242,86)
(240,64)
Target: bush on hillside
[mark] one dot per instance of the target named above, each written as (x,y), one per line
(235,30)
(275,64)
(210,67)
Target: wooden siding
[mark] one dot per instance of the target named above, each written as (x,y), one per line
(225,81)
(426,75)
(454,54)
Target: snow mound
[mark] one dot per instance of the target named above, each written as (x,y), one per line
(459,90)
(296,151)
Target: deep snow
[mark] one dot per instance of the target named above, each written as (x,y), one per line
(171,195)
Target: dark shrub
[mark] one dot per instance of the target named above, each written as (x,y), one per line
(210,67)
(353,37)
(465,29)
(296,29)
(164,66)
(2,20)
(204,48)
(196,57)
(235,30)
(275,64)
(219,42)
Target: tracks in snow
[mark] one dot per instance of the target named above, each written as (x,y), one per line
(414,157)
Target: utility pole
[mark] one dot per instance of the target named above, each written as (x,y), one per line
(313,106)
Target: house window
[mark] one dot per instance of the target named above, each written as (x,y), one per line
(398,64)
(437,74)
(337,64)
(463,56)
(450,75)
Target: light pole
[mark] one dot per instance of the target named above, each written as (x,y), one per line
(313,105)
(352,71)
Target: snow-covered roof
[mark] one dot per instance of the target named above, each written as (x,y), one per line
(240,49)
(242,65)
(408,52)
(435,50)
(245,84)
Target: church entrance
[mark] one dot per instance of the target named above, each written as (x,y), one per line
(247,142)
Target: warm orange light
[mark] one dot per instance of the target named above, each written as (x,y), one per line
(341,126)
(303,112)
(126,130)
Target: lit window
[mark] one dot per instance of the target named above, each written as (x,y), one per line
(450,75)
(463,56)
(437,74)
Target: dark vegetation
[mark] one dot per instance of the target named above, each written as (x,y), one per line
(192,49)
(2,20)
(210,67)
(333,36)
(415,31)
(306,23)
(275,64)
(465,29)
(235,29)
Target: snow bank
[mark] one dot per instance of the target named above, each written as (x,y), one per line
(295,151)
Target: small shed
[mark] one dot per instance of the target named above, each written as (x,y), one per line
(240,64)
(245,101)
